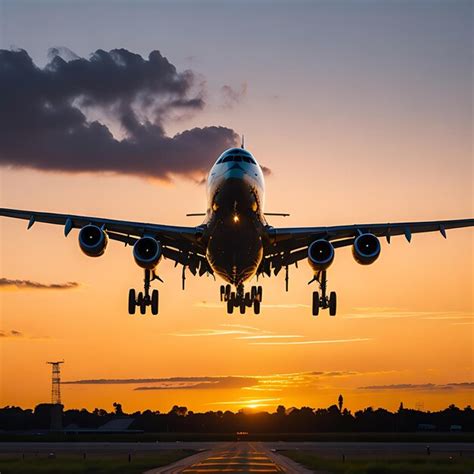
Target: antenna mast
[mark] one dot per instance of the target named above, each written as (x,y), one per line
(56,382)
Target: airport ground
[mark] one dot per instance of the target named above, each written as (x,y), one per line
(238,457)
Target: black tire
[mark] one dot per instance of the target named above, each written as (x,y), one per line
(154,302)
(223,293)
(248,299)
(332,303)
(315,303)
(230,306)
(139,298)
(132,306)
(253,292)
(143,307)
(256,306)
(227,291)
(242,306)
(233,298)
(260,293)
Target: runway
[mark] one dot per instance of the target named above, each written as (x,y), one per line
(251,457)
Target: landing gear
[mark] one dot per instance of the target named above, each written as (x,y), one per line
(240,299)
(323,301)
(143,300)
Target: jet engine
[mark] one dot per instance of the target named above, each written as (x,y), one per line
(147,252)
(93,240)
(366,249)
(320,255)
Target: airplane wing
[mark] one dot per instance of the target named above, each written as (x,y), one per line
(290,244)
(181,244)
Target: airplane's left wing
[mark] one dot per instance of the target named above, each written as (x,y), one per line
(181,244)
(289,245)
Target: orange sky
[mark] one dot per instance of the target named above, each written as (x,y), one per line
(340,153)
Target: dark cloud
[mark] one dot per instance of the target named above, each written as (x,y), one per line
(175,383)
(421,387)
(55,118)
(28,284)
(12,333)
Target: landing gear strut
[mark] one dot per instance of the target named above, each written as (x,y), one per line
(241,299)
(144,299)
(323,301)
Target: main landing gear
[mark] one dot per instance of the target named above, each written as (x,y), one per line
(144,299)
(323,301)
(241,299)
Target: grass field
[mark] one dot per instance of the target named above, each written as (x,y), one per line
(96,464)
(387,465)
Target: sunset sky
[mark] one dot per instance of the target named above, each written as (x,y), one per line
(362,110)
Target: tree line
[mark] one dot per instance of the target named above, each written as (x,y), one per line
(293,420)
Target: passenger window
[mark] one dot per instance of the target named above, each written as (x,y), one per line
(237,158)
(227,159)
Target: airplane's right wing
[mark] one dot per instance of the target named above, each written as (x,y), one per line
(181,244)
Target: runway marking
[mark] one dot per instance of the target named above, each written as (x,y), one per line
(246,458)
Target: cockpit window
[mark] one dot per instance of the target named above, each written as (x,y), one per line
(236,158)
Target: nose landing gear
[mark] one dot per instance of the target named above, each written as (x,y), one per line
(323,301)
(241,299)
(144,299)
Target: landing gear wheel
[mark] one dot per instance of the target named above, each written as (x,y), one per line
(248,300)
(230,306)
(242,306)
(256,306)
(259,293)
(315,303)
(131,302)
(154,302)
(222,293)
(332,303)
(143,307)
(139,298)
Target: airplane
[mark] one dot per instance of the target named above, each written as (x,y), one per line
(235,240)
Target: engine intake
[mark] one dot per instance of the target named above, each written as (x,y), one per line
(147,252)
(93,240)
(320,255)
(366,249)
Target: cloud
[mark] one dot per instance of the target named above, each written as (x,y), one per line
(232,97)
(319,341)
(395,313)
(106,114)
(13,334)
(6,283)
(211,384)
(263,383)
(421,387)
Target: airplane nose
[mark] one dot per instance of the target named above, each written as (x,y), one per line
(235,172)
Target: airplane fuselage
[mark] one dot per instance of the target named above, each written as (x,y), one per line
(235,222)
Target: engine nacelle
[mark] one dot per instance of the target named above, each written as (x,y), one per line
(93,240)
(366,249)
(320,255)
(147,252)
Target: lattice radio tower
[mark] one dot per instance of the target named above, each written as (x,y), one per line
(56,382)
